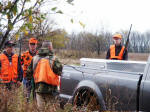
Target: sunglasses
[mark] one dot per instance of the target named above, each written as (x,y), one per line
(116,38)
(9,46)
(32,43)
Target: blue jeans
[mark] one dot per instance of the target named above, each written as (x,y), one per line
(27,88)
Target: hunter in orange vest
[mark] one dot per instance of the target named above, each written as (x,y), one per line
(44,73)
(26,58)
(116,51)
(10,68)
(46,69)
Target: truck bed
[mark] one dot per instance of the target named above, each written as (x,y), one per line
(103,64)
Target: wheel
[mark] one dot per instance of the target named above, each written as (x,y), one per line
(86,99)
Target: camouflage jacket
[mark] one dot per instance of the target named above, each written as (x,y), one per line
(57,69)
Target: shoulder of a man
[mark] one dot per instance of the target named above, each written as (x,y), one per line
(57,65)
(2,54)
(24,54)
(123,46)
(36,59)
(56,60)
(14,54)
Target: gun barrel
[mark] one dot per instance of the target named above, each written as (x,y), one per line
(127,42)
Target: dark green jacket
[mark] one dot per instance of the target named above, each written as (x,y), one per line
(57,69)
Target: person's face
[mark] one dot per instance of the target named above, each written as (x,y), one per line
(32,46)
(117,41)
(9,49)
(50,48)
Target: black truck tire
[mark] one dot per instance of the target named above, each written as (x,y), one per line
(86,99)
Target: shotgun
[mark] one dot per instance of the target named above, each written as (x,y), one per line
(20,77)
(127,42)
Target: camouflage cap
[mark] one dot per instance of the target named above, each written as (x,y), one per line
(43,51)
(46,44)
(9,43)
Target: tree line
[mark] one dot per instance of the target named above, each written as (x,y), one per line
(99,43)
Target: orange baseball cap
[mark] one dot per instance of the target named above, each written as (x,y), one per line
(33,40)
(117,36)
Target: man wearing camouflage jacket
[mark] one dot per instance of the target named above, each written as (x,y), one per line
(45,69)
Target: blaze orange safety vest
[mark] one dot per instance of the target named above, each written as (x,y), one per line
(112,53)
(27,57)
(8,72)
(44,73)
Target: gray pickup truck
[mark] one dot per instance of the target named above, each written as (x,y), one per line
(112,85)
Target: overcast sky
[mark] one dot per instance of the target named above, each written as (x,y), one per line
(111,15)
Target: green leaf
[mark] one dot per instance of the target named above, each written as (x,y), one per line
(15,10)
(30,26)
(30,12)
(30,19)
(69,1)
(1,6)
(10,26)
(60,12)
(54,8)
(9,4)
(83,25)
(38,18)
(8,15)
(22,14)
(71,20)
(23,28)
(26,32)
(17,36)
(42,16)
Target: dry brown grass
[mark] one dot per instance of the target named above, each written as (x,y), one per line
(138,56)
(132,56)
(70,61)
(74,54)
(72,57)
(13,101)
